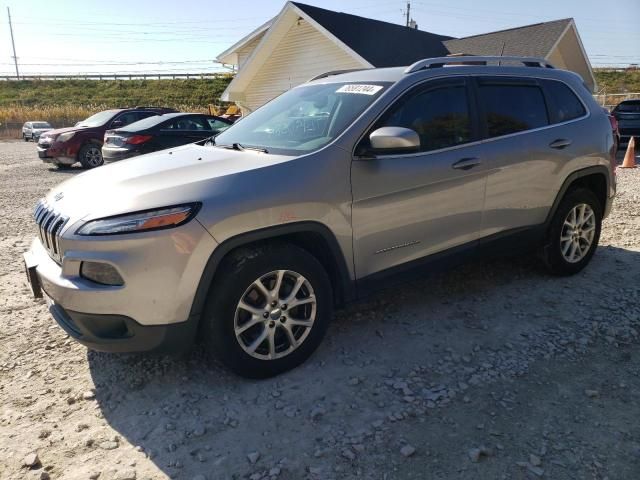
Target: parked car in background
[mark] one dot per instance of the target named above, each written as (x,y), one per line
(83,142)
(33,130)
(341,185)
(614,128)
(160,132)
(627,114)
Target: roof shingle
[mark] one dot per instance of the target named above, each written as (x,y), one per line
(531,40)
(382,44)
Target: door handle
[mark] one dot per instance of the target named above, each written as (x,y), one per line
(466,163)
(560,143)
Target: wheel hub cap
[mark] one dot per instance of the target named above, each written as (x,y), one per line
(577,233)
(275,315)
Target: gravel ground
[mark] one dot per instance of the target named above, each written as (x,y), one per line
(492,370)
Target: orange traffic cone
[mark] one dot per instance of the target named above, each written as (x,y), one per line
(630,157)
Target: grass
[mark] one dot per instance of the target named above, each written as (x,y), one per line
(65,102)
(618,81)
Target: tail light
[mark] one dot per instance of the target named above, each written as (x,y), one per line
(138,139)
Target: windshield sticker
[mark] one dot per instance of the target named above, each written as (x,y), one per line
(362,89)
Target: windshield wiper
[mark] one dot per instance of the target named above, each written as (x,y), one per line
(240,147)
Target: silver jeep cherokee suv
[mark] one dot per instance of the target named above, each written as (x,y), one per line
(248,241)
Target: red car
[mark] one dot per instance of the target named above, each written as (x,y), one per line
(83,142)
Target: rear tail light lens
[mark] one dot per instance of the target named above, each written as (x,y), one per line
(138,139)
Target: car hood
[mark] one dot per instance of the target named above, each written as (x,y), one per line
(57,131)
(191,173)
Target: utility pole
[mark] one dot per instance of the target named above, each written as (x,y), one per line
(408,14)
(15,58)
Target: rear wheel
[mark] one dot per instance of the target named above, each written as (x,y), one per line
(90,156)
(574,233)
(268,311)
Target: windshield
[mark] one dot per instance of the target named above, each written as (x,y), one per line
(98,119)
(629,107)
(303,119)
(41,125)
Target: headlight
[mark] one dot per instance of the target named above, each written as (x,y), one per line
(157,219)
(63,137)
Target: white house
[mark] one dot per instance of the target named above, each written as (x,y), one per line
(303,41)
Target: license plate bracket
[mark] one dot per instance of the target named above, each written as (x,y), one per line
(30,267)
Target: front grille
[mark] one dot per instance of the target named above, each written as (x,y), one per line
(50,224)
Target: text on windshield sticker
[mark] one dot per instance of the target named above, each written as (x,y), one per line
(362,89)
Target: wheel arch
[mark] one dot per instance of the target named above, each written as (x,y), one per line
(594,178)
(313,237)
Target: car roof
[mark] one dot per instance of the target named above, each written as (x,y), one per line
(397,74)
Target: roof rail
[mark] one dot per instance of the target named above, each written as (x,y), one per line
(335,72)
(473,60)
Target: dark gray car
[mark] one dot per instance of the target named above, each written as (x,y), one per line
(345,184)
(628,115)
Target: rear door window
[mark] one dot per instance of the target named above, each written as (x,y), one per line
(186,123)
(511,106)
(564,105)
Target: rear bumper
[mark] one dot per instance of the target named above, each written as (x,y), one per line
(118,333)
(113,154)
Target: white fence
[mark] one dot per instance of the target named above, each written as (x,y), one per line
(610,100)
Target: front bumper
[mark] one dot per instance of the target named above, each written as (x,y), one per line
(56,154)
(151,311)
(117,333)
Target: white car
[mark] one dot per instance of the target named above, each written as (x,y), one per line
(33,130)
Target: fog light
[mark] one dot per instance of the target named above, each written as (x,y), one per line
(102,273)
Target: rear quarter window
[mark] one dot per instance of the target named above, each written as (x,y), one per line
(564,104)
(511,108)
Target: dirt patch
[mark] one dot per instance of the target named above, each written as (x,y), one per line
(492,370)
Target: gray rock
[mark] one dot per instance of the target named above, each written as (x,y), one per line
(125,475)
(199,431)
(253,457)
(108,445)
(348,454)
(592,393)
(89,395)
(317,413)
(407,451)
(31,460)
(535,460)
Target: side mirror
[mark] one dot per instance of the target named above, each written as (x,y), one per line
(117,124)
(396,139)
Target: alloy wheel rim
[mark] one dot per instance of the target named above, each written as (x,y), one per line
(578,231)
(93,157)
(275,315)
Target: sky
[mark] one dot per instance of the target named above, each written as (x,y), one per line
(117,36)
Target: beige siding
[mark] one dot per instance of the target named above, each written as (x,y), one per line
(302,53)
(244,52)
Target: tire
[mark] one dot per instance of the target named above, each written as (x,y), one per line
(25,137)
(90,156)
(559,254)
(236,281)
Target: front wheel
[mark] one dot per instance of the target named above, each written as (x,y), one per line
(90,156)
(26,139)
(269,310)
(574,233)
